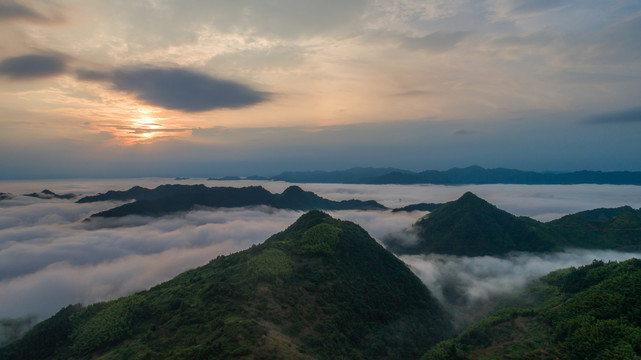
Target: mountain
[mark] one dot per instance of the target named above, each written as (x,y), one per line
(459,176)
(471,226)
(354,175)
(618,228)
(321,289)
(418,207)
(4,196)
(166,199)
(593,312)
(48,194)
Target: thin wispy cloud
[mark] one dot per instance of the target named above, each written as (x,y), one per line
(616,117)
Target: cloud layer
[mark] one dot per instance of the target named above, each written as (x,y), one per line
(49,258)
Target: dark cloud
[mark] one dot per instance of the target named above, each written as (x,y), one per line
(185,90)
(535,6)
(615,117)
(33,66)
(11,10)
(92,75)
(435,42)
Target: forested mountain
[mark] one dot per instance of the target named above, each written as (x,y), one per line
(321,289)
(593,312)
(471,226)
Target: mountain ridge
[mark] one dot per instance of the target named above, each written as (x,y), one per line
(470,226)
(166,199)
(320,289)
(459,176)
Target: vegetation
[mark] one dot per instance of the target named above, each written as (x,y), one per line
(593,312)
(322,289)
(471,226)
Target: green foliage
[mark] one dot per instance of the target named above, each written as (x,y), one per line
(270,265)
(593,312)
(319,240)
(471,226)
(321,289)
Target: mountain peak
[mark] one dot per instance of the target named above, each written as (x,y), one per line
(471,226)
(321,289)
(470,197)
(294,189)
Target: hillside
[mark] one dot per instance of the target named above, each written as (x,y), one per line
(166,199)
(321,289)
(593,312)
(471,226)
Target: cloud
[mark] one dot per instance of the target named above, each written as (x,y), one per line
(11,10)
(470,286)
(33,66)
(535,6)
(616,117)
(436,42)
(189,91)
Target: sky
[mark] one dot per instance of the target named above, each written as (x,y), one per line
(116,88)
(50,258)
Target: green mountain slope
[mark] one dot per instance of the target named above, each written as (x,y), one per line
(471,226)
(593,312)
(618,228)
(322,289)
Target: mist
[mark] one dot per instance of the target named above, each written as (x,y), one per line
(50,258)
(469,287)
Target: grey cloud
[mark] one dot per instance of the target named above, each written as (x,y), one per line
(615,117)
(189,91)
(92,75)
(12,10)
(437,42)
(534,6)
(33,66)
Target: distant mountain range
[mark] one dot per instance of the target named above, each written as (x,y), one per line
(471,226)
(167,199)
(48,194)
(321,289)
(457,176)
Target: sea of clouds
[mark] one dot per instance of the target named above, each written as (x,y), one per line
(50,257)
